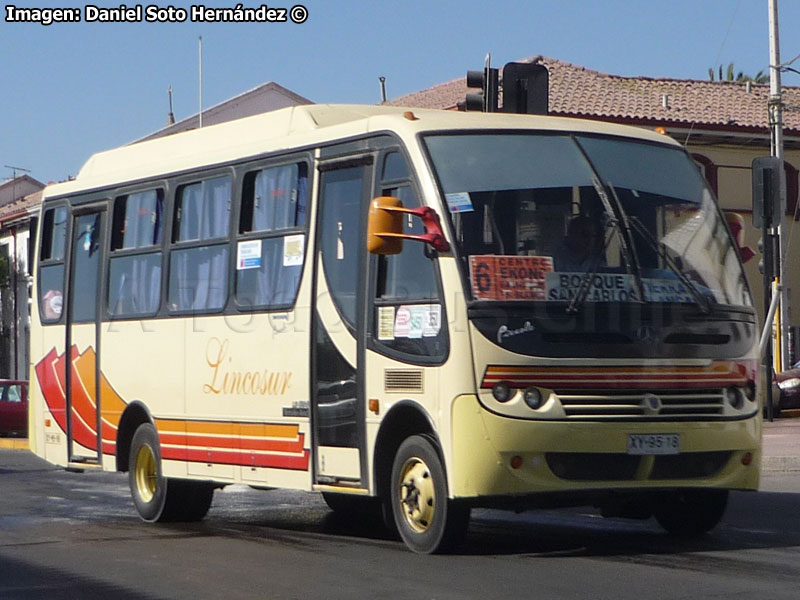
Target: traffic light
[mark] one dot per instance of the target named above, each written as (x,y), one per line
(768,206)
(487,81)
(525,88)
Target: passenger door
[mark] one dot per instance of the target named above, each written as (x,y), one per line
(84,425)
(338,324)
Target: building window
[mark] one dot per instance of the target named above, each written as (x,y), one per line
(791,191)
(709,170)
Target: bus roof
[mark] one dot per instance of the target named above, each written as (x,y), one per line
(298,127)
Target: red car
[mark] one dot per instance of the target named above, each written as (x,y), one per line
(786,389)
(13,407)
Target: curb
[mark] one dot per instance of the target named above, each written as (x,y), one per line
(14,443)
(780,464)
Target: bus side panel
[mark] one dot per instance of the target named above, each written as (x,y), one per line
(246,389)
(46,397)
(141,361)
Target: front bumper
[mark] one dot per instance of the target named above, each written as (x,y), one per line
(496,456)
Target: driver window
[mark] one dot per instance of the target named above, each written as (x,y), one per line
(408,305)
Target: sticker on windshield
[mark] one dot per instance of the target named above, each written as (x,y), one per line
(415,321)
(459,202)
(386,323)
(509,277)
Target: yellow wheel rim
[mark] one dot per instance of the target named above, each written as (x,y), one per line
(417,495)
(146,475)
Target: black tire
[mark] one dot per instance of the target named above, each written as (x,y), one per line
(426,519)
(157,498)
(690,513)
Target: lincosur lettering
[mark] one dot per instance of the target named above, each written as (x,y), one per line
(225,380)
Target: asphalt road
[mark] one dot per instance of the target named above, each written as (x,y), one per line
(76,536)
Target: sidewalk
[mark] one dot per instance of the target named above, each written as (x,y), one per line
(781,450)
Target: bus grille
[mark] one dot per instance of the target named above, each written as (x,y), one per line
(637,404)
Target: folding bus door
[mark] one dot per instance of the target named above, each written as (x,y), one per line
(82,369)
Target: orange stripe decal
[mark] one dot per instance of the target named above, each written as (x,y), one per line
(270,445)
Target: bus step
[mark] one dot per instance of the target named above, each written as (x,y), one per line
(81,466)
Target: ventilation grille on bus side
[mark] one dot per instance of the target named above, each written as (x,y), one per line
(403,380)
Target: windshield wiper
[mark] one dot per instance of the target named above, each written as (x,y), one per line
(702,301)
(587,281)
(631,261)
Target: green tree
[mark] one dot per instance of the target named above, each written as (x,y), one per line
(731,75)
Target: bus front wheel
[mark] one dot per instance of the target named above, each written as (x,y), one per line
(426,519)
(690,513)
(156,497)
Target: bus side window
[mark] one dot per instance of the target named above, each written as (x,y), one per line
(51,261)
(270,250)
(198,275)
(406,282)
(135,266)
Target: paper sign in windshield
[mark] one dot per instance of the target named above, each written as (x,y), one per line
(459,202)
(509,277)
(615,287)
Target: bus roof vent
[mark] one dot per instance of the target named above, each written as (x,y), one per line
(403,380)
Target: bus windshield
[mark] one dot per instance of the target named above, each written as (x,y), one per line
(576,218)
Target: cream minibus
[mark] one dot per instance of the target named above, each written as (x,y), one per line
(410,311)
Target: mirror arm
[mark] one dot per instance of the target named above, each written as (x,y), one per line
(433,229)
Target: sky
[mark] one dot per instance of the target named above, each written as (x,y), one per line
(68,90)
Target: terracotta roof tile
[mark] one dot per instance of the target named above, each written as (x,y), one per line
(577,91)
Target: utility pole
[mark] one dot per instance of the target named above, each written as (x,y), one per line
(200,81)
(776,150)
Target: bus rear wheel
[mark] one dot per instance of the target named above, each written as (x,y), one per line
(157,498)
(426,519)
(690,513)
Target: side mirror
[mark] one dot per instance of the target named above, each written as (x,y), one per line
(385,226)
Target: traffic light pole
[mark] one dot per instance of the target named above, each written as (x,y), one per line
(768,243)
(776,150)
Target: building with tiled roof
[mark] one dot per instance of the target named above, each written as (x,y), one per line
(724,125)
(16,188)
(263,98)
(17,218)
(728,111)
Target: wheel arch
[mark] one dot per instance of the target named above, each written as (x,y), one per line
(135,415)
(404,419)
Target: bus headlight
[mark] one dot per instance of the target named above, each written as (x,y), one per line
(502,391)
(533,398)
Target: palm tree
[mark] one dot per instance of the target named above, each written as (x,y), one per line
(760,77)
